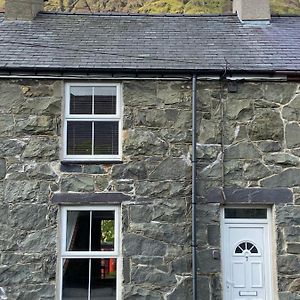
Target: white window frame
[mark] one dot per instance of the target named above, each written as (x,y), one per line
(116,253)
(91,117)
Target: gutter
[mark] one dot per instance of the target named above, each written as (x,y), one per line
(134,72)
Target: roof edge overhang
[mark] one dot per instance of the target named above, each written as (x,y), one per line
(62,72)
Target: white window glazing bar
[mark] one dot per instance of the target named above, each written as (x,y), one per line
(90,233)
(86,254)
(93,138)
(93,123)
(93,101)
(90,272)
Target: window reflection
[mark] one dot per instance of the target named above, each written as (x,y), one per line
(103,231)
(101,273)
(103,279)
(75,279)
(81,100)
(78,231)
(105,100)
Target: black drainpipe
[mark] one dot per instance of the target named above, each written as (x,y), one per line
(194,180)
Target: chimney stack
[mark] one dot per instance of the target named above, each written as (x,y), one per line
(252,10)
(24,10)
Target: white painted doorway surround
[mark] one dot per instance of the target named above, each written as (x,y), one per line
(246,254)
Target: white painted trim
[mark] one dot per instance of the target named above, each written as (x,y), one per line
(90,117)
(254,77)
(62,254)
(271,293)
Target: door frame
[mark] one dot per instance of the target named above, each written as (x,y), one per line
(270,292)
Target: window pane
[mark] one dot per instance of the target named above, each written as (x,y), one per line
(106,138)
(81,100)
(105,100)
(78,230)
(79,138)
(243,213)
(75,279)
(103,279)
(103,231)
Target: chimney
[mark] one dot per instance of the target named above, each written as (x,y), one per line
(24,10)
(253,11)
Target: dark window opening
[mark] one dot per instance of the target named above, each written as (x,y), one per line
(245,213)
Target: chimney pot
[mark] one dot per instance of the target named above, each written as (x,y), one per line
(24,10)
(252,10)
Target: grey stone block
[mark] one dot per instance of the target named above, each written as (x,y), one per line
(292,233)
(69,168)
(134,244)
(269,146)
(288,296)
(11,147)
(93,169)
(141,213)
(2,168)
(29,216)
(82,183)
(266,125)
(250,195)
(288,264)
(279,93)
(292,134)
(182,290)
(142,141)
(287,178)
(213,235)
(288,215)
(295,286)
(131,170)
(242,150)
(142,293)
(43,148)
(152,276)
(206,262)
(293,248)
(171,169)
(290,112)
(282,159)
(182,264)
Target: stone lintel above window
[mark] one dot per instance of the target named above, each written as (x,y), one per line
(89,198)
(250,196)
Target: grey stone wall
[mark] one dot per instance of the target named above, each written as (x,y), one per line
(262,149)
(156,173)
(29,124)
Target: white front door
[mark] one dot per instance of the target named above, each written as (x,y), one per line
(246,256)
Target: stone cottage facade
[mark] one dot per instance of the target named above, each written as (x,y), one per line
(115,226)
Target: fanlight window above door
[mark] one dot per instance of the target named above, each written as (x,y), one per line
(246,246)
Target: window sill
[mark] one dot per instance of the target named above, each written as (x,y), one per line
(91,162)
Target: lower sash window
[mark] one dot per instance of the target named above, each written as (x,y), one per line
(90,251)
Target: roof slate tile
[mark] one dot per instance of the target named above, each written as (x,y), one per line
(117,41)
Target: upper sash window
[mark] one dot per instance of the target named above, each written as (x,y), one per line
(92,125)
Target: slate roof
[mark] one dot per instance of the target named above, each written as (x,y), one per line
(143,42)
